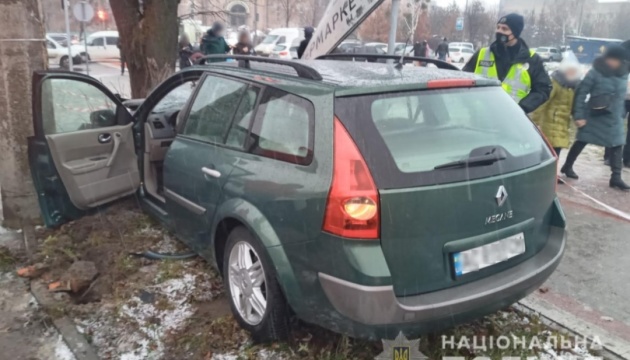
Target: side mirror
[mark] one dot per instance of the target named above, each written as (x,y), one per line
(103,118)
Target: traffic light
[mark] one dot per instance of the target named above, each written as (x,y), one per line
(102,15)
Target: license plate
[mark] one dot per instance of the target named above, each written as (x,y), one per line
(487,255)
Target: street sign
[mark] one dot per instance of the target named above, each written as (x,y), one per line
(459,24)
(339,20)
(83,11)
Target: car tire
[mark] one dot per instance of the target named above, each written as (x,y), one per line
(243,250)
(64,62)
(77,60)
(461,61)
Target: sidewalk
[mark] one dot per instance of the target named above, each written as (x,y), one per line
(591,283)
(25,331)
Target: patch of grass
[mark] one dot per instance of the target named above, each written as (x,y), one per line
(170,269)
(7,261)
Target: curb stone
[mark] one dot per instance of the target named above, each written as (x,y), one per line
(77,343)
(614,348)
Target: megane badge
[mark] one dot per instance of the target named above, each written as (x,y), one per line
(501,196)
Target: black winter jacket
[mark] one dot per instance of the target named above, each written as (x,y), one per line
(541,83)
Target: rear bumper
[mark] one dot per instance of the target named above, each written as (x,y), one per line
(378,305)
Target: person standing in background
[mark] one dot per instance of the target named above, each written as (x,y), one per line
(554,116)
(600,120)
(122,58)
(442,50)
(244,45)
(308,34)
(509,59)
(185,52)
(213,43)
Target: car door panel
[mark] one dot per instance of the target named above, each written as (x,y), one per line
(82,154)
(93,172)
(199,163)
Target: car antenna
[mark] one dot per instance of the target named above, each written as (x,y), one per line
(399,66)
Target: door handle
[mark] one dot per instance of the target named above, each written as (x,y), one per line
(117,141)
(211,172)
(104,138)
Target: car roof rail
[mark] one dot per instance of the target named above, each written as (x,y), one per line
(303,71)
(351,56)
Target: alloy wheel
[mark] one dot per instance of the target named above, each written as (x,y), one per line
(246,278)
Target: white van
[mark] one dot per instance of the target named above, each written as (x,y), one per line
(278,36)
(103,45)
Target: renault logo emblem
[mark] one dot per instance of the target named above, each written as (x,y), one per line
(501,195)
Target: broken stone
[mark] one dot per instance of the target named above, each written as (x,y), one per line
(543,290)
(33,271)
(80,275)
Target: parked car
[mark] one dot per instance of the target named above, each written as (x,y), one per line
(549,53)
(460,54)
(462,45)
(278,36)
(62,38)
(287,52)
(360,197)
(103,45)
(380,46)
(58,52)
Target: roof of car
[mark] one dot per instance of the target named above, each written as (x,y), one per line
(361,77)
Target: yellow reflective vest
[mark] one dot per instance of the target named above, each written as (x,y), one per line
(517,82)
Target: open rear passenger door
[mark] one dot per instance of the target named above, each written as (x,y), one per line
(82,154)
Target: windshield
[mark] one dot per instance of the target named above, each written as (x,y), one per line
(424,129)
(270,39)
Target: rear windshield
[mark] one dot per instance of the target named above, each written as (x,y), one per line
(405,136)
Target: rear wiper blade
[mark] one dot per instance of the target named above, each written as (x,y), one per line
(472,161)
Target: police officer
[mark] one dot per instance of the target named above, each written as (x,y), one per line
(511,61)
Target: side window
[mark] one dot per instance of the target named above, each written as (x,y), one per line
(212,111)
(70,105)
(243,118)
(112,41)
(554,51)
(50,45)
(283,128)
(281,40)
(98,42)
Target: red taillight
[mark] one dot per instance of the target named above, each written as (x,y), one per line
(352,210)
(553,151)
(284,53)
(450,83)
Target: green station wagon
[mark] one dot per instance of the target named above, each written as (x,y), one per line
(366,198)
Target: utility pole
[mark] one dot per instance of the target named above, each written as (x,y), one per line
(255,22)
(393,26)
(580,20)
(22,51)
(66,10)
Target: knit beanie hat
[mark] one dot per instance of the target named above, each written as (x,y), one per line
(616,52)
(515,22)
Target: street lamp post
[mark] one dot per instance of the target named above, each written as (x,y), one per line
(66,10)
(393,26)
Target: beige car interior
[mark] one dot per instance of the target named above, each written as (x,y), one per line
(159,133)
(96,165)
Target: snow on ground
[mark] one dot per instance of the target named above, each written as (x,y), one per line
(62,351)
(137,328)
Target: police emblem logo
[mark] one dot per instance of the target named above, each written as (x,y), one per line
(486,63)
(401,349)
(401,353)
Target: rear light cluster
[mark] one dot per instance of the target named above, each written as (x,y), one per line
(352,210)
(553,151)
(284,53)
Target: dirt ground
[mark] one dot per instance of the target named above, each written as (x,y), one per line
(143,309)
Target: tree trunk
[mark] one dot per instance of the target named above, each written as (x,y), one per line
(148,40)
(18,59)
